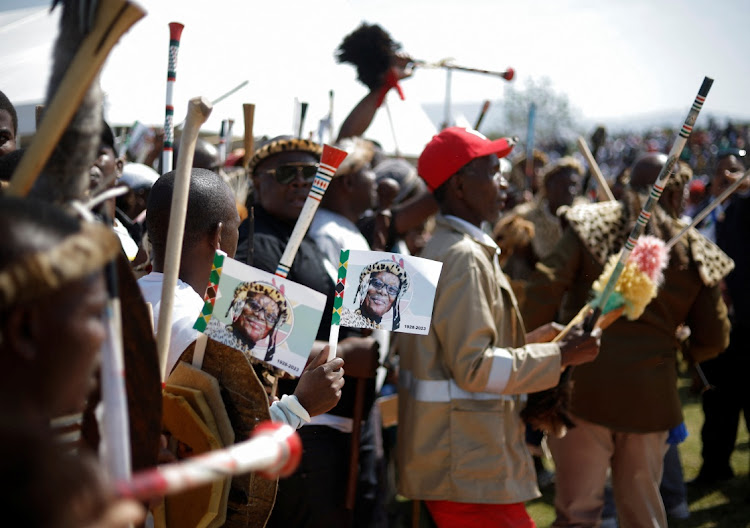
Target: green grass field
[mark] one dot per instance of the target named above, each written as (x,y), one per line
(727,506)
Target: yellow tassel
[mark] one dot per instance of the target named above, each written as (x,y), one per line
(635,287)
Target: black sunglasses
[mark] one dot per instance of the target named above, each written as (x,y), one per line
(269,317)
(285,174)
(378,285)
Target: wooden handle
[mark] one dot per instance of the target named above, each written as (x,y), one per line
(199,109)
(577,319)
(248,111)
(605,194)
(359,404)
(113,19)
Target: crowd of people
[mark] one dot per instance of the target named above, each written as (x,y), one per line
(520,251)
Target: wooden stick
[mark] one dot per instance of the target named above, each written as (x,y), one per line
(302,115)
(38,114)
(605,193)
(248,111)
(482,113)
(705,212)
(198,111)
(531,182)
(359,403)
(603,322)
(577,319)
(113,19)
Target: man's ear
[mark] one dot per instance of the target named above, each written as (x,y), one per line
(349,182)
(18,335)
(456,183)
(119,164)
(216,236)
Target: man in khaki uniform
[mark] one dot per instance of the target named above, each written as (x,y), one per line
(461,441)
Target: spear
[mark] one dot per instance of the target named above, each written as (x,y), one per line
(653,198)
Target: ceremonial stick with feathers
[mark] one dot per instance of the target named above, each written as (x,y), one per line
(548,410)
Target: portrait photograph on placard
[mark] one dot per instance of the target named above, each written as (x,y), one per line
(266,317)
(389,291)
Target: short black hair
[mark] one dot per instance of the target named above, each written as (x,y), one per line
(210,201)
(108,137)
(6,105)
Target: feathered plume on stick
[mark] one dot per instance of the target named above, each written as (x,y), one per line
(370,49)
(636,287)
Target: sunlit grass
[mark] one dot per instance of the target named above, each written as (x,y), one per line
(727,506)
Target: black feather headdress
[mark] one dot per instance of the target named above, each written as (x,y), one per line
(370,49)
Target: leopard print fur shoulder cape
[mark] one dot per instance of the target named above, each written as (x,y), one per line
(602,229)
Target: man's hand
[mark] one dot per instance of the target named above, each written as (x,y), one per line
(319,387)
(360,355)
(545,333)
(403,65)
(578,347)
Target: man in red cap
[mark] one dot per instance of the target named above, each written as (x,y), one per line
(461,440)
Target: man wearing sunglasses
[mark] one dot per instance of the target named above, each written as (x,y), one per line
(282,171)
(350,194)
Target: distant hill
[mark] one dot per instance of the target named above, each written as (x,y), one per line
(467,113)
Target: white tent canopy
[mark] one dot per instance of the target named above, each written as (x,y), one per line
(218,51)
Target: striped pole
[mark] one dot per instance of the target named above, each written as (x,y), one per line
(223,133)
(329,162)
(273,450)
(529,167)
(656,190)
(175,33)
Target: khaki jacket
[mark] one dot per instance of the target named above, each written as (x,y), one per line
(460,437)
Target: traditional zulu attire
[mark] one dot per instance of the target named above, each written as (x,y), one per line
(626,400)
(357,320)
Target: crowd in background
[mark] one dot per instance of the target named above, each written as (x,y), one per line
(398,215)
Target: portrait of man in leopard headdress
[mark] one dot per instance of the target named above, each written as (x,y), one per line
(257,311)
(381,285)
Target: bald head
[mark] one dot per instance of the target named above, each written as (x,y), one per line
(210,203)
(205,156)
(646,169)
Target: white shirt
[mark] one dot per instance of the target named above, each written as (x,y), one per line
(185,311)
(333,232)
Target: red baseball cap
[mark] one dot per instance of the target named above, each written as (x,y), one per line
(453,148)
